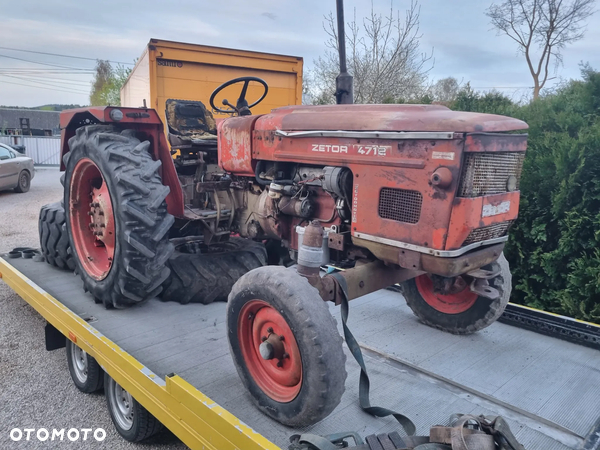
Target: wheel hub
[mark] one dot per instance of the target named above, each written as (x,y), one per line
(451,298)
(270,351)
(92,219)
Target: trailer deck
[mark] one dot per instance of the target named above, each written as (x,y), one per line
(547,389)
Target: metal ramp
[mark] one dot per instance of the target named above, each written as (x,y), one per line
(547,389)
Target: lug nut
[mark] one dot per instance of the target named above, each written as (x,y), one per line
(282,338)
(264,338)
(90,213)
(286,355)
(280,363)
(269,330)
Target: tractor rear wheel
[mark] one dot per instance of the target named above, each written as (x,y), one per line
(285,346)
(462,312)
(116,215)
(208,273)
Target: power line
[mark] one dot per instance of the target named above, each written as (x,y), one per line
(47,78)
(41,87)
(63,56)
(44,83)
(43,64)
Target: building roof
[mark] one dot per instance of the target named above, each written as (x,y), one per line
(38,119)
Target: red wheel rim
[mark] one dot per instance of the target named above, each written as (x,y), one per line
(92,219)
(455,303)
(280,377)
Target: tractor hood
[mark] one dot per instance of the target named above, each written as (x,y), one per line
(385,118)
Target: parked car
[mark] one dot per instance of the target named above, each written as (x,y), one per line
(16,170)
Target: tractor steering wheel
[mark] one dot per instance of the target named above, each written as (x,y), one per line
(241,108)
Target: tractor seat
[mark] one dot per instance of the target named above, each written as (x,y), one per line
(190,123)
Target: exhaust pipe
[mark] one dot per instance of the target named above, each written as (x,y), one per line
(344,86)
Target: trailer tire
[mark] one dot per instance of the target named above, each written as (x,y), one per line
(208,277)
(481,314)
(54,239)
(132,421)
(121,253)
(277,301)
(85,371)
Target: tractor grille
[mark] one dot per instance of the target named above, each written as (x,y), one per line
(488,173)
(490,232)
(400,204)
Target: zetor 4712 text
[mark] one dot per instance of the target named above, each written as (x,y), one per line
(250,208)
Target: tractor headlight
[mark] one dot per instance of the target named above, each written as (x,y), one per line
(115,114)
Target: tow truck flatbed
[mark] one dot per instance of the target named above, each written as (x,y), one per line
(174,359)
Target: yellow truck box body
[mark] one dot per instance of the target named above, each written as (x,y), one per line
(174,70)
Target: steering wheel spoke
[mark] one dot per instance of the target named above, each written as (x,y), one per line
(242,107)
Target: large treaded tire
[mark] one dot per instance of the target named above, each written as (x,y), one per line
(208,277)
(315,331)
(54,239)
(482,314)
(142,246)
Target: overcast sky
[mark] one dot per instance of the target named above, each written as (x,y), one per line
(457,31)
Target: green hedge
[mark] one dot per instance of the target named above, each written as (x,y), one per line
(554,247)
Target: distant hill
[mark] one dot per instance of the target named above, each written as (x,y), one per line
(53,107)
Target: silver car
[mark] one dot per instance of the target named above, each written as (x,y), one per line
(16,170)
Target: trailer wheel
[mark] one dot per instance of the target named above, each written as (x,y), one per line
(131,419)
(461,313)
(86,373)
(285,346)
(116,215)
(208,274)
(54,239)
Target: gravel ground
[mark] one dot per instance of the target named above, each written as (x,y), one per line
(36,390)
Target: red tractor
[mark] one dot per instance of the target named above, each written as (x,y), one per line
(413,194)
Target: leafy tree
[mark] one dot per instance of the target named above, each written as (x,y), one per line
(107,84)
(445,90)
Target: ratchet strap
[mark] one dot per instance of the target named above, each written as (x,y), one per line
(364,383)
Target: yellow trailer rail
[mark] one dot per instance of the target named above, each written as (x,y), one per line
(193,417)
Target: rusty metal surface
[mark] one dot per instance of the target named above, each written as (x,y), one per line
(495,142)
(447,267)
(336,241)
(367,277)
(387,118)
(235,145)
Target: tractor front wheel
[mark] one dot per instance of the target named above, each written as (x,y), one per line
(116,215)
(463,311)
(285,346)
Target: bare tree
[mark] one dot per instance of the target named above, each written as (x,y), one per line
(383,56)
(541,28)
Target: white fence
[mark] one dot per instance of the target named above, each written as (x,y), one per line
(44,150)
